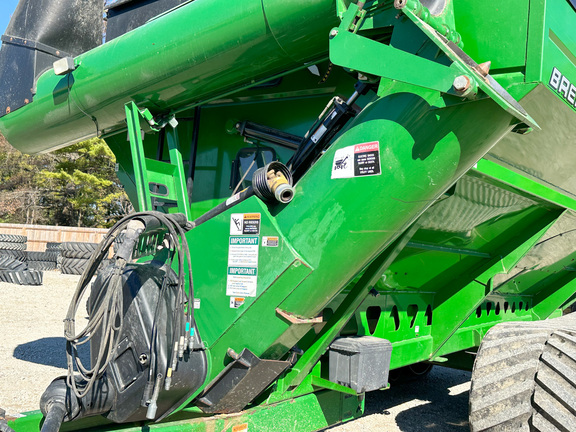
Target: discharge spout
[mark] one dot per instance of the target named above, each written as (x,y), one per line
(39,33)
(195,52)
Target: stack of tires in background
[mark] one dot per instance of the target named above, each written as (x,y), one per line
(22,267)
(75,256)
(14,267)
(44,260)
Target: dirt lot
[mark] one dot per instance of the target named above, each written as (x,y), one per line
(32,354)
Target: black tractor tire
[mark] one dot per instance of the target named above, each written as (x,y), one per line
(19,255)
(12,246)
(77,250)
(13,238)
(42,265)
(11,264)
(53,246)
(73,266)
(524,378)
(26,277)
(42,256)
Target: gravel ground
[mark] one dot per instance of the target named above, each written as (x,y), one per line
(32,352)
(437,403)
(32,355)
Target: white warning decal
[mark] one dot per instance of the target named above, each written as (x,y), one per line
(357,161)
(236,302)
(245,224)
(270,241)
(242,266)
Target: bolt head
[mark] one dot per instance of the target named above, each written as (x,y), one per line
(333,32)
(461,83)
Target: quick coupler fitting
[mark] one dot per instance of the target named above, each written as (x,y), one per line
(273,182)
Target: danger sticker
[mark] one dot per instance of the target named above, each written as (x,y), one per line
(270,241)
(245,224)
(357,161)
(236,302)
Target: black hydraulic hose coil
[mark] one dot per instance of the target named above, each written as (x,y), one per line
(267,190)
(271,183)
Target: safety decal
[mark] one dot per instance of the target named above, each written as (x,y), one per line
(242,266)
(236,302)
(196,303)
(240,428)
(359,160)
(245,224)
(270,241)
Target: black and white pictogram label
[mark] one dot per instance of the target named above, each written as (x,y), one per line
(245,224)
(357,161)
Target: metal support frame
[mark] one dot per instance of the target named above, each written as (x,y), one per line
(287,386)
(138,158)
(464,300)
(147,171)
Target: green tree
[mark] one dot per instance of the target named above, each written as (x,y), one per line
(20,197)
(82,188)
(75,186)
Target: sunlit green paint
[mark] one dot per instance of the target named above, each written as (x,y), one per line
(448,248)
(525,184)
(163,66)
(306,413)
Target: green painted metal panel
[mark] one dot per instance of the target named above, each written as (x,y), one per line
(524,153)
(443,237)
(494,32)
(306,413)
(151,62)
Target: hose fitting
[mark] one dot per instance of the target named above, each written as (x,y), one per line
(273,182)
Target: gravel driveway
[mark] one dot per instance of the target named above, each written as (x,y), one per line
(32,355)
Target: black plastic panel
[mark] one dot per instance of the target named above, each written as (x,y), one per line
(40,32)
(126,15)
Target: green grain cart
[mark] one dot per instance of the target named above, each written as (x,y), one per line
(325,190)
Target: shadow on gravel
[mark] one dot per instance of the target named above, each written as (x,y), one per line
(49,351)
(439,410)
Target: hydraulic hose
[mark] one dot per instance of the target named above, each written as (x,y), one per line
(3,423)
(54,418)
(77,389)
(221,208)
(5,428)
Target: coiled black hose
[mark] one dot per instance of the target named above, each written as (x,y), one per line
(260,182)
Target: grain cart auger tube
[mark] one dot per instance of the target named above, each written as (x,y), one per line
(325,190)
